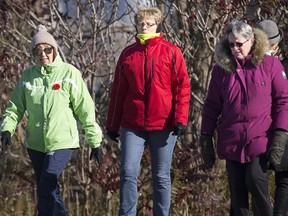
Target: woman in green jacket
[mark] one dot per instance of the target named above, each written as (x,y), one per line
(54,96)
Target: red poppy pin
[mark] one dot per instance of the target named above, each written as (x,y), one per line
(56,86)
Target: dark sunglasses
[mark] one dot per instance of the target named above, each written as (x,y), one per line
(47,50)
(237,44)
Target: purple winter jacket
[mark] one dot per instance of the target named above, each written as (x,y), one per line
(245,102)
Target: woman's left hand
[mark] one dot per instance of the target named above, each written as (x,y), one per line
(97,153)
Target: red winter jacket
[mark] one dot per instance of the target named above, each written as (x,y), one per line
(151,88)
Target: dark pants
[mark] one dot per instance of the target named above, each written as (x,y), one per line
(249,178)
(48,167)
(281,194)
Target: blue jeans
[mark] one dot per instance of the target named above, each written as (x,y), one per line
(161,145)
(48,167)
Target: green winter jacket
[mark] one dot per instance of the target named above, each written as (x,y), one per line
(54,96)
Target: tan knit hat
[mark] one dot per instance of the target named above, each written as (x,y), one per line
(43,36)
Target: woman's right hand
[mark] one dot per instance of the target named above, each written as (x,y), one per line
(113,135)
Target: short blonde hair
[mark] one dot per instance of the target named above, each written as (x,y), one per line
(149,12)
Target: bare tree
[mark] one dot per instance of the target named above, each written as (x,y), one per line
(91,35)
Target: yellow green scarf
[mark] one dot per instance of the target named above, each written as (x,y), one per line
(144,37)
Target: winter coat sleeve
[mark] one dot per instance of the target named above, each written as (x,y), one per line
(117,98)
(84,109)
(213,103)
(180,88)
(15,109)
(279,96)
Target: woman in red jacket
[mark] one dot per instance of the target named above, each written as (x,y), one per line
(149,101)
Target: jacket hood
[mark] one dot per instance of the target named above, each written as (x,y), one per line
(224,58)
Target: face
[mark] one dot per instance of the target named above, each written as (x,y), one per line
(240,46)
(147,26)
(44,54)
(274,48)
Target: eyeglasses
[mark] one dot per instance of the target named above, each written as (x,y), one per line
(237,44)
(149,25)
(47,50)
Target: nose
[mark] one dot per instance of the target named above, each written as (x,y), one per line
(235,47)
(143,26)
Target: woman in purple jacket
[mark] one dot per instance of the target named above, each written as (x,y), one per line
(247,103)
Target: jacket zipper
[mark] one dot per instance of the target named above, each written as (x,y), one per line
(145,89)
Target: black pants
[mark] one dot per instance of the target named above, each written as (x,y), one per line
(249,178)
(281,194)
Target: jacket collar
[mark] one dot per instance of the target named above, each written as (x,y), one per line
(225,59)
(48,68)
(150,42)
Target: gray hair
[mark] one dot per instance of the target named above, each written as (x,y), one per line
(237,27)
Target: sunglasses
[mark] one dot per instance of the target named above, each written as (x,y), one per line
(47,50)
(237,44)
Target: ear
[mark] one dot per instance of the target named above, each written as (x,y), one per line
(252,41)
(274,46)
(54,53)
